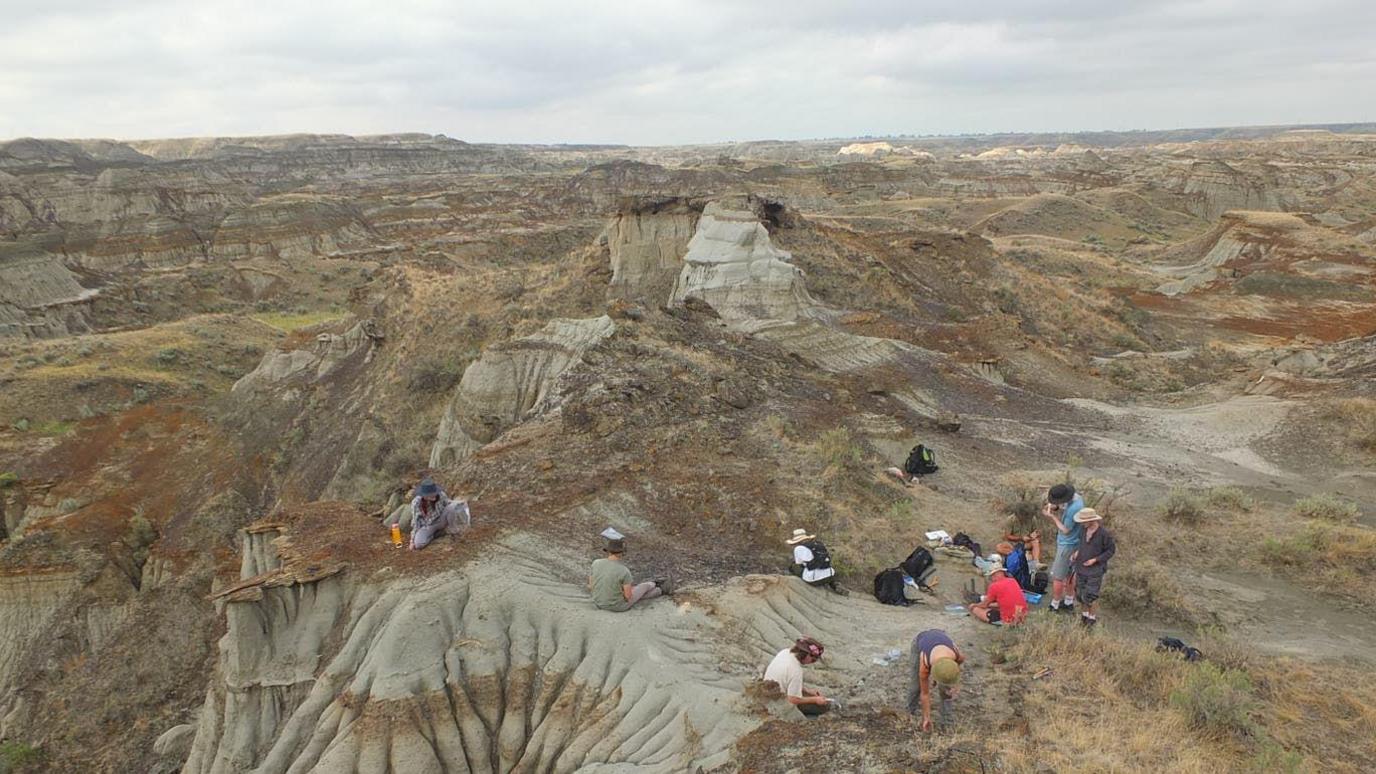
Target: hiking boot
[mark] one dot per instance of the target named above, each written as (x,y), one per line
(1068,607)
(1087,621)
(665,585)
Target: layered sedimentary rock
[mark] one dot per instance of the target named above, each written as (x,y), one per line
(285,369)
(646,246)
(499,668)
(40,297)
(509,381)
(734,267)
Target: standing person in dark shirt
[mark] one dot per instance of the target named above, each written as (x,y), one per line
(1090,561)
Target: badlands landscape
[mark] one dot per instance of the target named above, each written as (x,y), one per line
(226,362)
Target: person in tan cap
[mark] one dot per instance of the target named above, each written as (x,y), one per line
(1090,561)
(936,659)
(812,561)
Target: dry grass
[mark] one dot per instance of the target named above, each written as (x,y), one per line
(1145,589)
(1357,418)
(1117,705)
(1326,507)
(1335,559)
(288,322)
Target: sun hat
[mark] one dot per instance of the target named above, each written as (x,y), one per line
(946,671)
(616,546)
(428,488)
(1086,515)
(1061,494)
(799,535)
(993,568)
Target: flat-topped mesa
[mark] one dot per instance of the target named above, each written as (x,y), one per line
(510,381)
(733,267)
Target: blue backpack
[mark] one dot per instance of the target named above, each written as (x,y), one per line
(1016,566)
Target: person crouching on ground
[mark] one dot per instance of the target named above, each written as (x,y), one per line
(433,512)
(812,561)
(1022,528)
(610,581)
(1091,562)
(1061,506)
(1003,602)
(936,659)
(786,670)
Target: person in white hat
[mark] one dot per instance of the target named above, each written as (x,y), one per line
(812,561)
(1003,602)
(1090,561)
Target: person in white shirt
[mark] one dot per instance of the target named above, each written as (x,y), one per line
(786,670)
(812,561)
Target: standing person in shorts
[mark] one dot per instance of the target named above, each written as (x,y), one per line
(1062,503)
(1091,563)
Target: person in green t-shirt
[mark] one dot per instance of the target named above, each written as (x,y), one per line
(610,581)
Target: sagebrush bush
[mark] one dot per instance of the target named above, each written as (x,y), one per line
(1145,589)
(435,374)
(1228,498)
(1326,507)
(1357,416)
(1183,506)
(17,757)
(838,449)
(1217,702)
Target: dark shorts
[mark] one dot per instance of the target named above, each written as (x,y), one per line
(813,710)
(994,616)
(1087,588)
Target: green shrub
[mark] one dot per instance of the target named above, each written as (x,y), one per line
(1273,758)
(435,374)
(1183,506)
(69,505)
(8,479)
(168,356)
(1326,507)
(1228,498)
(17,757)
(1217,702)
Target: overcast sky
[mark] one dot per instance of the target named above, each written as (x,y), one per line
(650,72)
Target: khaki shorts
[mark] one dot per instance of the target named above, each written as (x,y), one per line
(1060,567)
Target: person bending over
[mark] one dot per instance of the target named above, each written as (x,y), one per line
(936,660)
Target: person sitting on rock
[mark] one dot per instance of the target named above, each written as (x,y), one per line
(812,561)
(936,659)
(433,512)
(786,670)
(1003,602)
(610,581)
(1022,528)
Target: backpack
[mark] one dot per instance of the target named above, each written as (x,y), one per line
(1015,564)
(963,540)
(888,587)
(821,558)
(920,566)
(1040,580)
(921,461)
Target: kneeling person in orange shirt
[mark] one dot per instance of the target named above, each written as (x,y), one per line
(1003,602)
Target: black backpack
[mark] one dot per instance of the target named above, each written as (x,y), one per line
(821,558)
(920,565)
(888,587)
(1040,580)
(921,461)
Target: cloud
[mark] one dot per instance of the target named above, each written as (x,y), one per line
(672,71)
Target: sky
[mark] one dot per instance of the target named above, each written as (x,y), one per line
(674,72)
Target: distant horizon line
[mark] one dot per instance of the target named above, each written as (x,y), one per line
(1317,126)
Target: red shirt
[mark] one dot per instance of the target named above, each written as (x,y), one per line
(1008,594)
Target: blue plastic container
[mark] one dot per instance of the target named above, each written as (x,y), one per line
(1032,599)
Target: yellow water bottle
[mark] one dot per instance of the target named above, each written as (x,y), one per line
(396,535)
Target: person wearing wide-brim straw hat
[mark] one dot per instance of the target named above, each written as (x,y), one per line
(1090,561)
(812,561)
(609,581)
